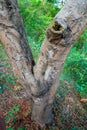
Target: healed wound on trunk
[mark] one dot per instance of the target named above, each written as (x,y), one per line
(57,31)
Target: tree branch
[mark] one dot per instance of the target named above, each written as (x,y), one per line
(61,35)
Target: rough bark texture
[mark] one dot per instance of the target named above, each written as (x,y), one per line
(43,78)
(67,25)
(13,37)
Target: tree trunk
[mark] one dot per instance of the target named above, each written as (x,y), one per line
(41,80)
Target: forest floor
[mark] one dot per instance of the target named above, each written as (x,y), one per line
(69,112)
(16,110)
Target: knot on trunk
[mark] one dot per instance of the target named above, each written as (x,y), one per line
(57,31)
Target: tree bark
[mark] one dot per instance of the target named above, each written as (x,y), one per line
(61,35)
(13,38)
(41,80)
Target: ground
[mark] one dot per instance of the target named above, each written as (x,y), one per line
(68,109)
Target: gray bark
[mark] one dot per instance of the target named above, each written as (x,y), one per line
(58,42)
(43,82)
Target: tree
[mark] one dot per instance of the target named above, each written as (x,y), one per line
(41,79)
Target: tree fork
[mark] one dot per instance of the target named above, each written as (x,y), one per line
(61,35)
(13,38)
(43,82)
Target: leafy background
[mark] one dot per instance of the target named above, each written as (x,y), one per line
(37,15)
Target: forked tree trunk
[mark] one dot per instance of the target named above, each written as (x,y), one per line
(41,80)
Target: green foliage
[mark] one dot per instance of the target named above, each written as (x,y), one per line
(53,1)
(7,80)
(1,88)
(11,114)
(75,128)
(36,15)
(22,128)
(9,128)
(6,76)
(75,67)
(3,56)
